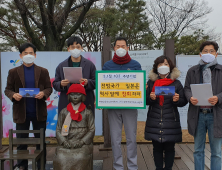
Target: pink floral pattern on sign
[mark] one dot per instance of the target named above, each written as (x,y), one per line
(7,125)
(89,57)
(5,107)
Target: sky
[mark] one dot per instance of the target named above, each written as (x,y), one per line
(214,18)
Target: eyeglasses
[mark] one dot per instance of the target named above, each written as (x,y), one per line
(206,51)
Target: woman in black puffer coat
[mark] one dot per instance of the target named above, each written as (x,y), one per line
(163,120)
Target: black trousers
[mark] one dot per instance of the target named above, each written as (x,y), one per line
(158,149)
(37,125)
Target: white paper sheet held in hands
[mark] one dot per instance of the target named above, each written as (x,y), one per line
(73,74)
(202,92)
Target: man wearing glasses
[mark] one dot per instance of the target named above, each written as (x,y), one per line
(206,118)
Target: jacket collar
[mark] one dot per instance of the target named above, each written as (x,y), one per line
(218,66)
(37,72)
(82,62)
(173,75)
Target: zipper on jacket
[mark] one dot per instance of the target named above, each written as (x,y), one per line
(174,115)
(161,114)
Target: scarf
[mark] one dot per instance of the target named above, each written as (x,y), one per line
(206,70)
(162,82)
(68,120)
(121,60)
(75,114)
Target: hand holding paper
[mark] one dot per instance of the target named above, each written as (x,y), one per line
(64,83)
(176,97)
(83,80)
(17,96)
(40,95)
(153,96)
(213,100)
(194,101)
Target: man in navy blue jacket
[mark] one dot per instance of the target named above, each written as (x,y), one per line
(88,71)
(118,117)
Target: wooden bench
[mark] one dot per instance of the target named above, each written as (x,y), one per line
(12,155)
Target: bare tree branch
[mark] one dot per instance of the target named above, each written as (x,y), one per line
(79,21)
(176,16)
(63,17)
(21,6)
(39,25)
(50,11)
(43,15)
(78,6)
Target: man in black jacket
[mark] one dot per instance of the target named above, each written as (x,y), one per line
(206,118)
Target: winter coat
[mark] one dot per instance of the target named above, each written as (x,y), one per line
(16,80)
(163,122)
(193,77)
(88,72)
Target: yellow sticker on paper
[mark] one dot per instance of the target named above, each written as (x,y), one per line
(120,86)
(121,94)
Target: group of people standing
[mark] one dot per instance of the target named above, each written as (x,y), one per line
(163,120)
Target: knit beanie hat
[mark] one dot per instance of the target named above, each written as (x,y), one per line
(77,88)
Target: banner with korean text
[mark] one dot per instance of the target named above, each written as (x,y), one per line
(121,89)
(49,60)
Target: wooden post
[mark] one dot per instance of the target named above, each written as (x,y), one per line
(1,126)
(169,50)
(106,56)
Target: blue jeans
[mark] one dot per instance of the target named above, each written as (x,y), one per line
(206,123)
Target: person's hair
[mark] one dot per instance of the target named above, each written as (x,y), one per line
(73,39)
(120,39)
(209,43)
(26,45)
(161,59)
(83,98)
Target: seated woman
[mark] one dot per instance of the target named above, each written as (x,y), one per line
(74,132)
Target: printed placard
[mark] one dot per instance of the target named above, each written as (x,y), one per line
(165,90)
(28,92)
(121,89)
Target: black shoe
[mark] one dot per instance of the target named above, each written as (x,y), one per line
(23,168)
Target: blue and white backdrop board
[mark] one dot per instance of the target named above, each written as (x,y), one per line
(48,60)
(146,59)
(184,63)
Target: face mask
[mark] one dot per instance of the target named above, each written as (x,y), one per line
(121,52)
(28,59)
(163,70)
(75,53)
(207,58)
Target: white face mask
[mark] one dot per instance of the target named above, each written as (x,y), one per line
(28,59)
(121,52)
(75,53)
(207,58)
(163,70)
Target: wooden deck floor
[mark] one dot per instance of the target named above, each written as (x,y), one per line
(145,156)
